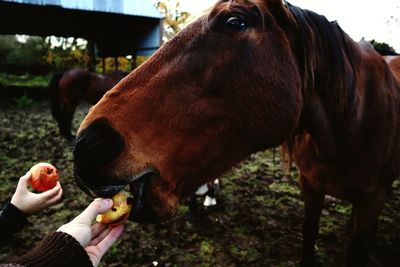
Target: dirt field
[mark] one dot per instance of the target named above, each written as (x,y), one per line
(258,221)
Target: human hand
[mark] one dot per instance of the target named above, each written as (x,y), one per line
(97,238)
(30,203)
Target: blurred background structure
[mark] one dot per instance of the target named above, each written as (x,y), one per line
(115,29)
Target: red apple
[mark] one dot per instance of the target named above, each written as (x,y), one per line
(119,211)
(44,176)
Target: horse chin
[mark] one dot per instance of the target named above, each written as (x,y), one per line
(148,207)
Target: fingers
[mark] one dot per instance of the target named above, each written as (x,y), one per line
(96,252)
(100,236)
(109,239)
(23,181)
(95,208)
(56,198)
(97,228)
(52,192)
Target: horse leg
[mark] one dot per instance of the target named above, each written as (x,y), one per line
(193,210)
(313,204)
(365,213)
(61,117)
(65,122)
(350,222)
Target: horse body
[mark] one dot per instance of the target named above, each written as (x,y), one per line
(352,154)
(252,75)
(356,149)
(71,87)
(85,81)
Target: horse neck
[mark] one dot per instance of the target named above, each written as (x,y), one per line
(327,75)
(331,65)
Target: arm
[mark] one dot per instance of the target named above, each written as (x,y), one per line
(57,249)
(12,220)
(77,243)
(13,217)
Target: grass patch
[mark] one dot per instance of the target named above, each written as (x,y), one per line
(24,102)
(24,80)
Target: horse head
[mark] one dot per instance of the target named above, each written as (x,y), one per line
(224,87)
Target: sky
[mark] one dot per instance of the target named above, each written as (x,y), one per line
(359,18)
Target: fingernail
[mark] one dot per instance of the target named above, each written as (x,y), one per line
(107,201)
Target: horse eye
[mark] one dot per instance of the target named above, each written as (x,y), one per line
(236,24)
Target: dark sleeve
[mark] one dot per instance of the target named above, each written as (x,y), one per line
(12,220)
(57,249)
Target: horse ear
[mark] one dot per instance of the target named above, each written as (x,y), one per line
(277,5)
(276,2)
(279,9)
(282,2)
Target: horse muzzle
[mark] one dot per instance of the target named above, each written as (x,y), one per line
(139,186)
(96,148)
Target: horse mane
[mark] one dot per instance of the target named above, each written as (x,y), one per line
(323,55)
(328,59)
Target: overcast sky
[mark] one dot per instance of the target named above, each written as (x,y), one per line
(359,18)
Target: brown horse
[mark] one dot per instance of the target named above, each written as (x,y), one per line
(250,75)
(69,88)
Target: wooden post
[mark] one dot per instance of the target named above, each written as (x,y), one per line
(133,62)
(92,55)
(103,64)
(116,63)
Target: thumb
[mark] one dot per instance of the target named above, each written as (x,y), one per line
(23,181)
(95,208)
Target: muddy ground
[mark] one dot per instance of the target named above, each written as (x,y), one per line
(257,223)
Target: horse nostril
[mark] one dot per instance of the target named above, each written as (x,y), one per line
(97,145)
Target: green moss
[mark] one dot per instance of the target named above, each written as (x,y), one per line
(396,184)
(206,248)
(24,80)
(24,102)
(342,208)
(285,188)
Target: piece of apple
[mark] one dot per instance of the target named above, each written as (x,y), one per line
(44,176)
(119,212)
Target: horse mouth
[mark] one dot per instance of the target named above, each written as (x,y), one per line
(138,186)
(142,211)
